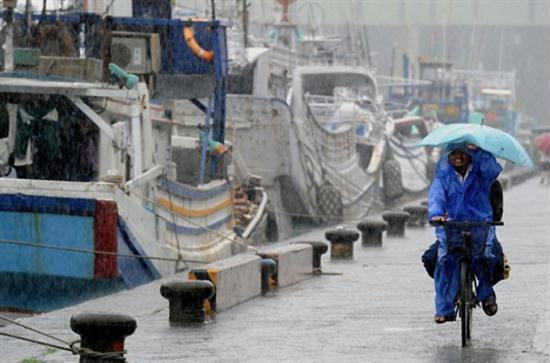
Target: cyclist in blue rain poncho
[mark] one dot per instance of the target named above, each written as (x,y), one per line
(460,191)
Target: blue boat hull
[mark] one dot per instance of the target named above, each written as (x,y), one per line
(47,258)
(35,293)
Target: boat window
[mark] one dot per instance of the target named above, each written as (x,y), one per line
(324,84)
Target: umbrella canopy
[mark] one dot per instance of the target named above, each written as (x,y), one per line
(499,143)
(543,143)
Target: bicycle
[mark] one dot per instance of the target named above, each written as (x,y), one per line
(466,300)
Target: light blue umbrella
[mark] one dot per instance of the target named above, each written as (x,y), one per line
(499,143)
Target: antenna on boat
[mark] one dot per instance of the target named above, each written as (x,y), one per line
(28,19)
(213,4)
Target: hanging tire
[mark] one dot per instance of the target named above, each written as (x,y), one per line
(391,177)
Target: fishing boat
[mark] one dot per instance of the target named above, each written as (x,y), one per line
(106,197)
(333,108)
(493,94)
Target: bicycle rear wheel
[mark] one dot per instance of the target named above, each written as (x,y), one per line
(465,302)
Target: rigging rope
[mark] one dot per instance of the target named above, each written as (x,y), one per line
(175,232)
(411,157)
(343,182)
(83,250)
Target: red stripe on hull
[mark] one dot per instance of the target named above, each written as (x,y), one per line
(105,238)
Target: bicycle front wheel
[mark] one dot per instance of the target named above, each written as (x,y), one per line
(465,302)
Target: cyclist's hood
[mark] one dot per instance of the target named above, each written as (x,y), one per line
(459,146)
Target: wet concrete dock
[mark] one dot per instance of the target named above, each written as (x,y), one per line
(379,309)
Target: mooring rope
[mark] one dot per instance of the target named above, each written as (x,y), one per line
(70,346)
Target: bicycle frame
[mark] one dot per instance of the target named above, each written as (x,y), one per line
(466,300)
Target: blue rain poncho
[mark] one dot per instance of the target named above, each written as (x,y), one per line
(463,201)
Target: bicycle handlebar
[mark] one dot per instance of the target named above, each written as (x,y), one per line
(466,223)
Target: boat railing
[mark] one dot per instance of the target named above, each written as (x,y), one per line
(334,100)
(283,59)
(390,81)
(58,188)
(324,108)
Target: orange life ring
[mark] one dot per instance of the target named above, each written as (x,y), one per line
(189,37)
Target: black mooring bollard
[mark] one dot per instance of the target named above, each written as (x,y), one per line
(341,242)
(418,215)
(102,333)
(269,268)
(186,299)
(396,222)
(319,249)
(371,230)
